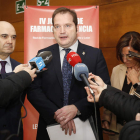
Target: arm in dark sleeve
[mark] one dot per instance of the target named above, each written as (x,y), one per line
(12,86)
(4,75)
(120,103)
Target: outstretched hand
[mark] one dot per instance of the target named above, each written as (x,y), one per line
(97,89)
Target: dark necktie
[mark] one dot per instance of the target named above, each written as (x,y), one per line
(66,76)
(2,110)
(3,66)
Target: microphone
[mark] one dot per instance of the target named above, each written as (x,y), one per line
(46,56)
(81,74)
(37,62)
(73,58)
(41,60)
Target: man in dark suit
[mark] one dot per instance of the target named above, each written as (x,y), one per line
(9,116)
(56,95)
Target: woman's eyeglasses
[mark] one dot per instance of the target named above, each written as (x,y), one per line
(127,56)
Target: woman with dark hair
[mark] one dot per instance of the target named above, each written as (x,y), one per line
(125,77)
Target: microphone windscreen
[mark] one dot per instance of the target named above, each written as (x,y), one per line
(79,69)
(73,58)
(46,56)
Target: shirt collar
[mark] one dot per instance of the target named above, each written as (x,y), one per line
(73,47)
(7,60)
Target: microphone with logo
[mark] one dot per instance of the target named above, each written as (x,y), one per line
(80,69)
(41,60)
(73,58)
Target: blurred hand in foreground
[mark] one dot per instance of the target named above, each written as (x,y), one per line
(26,68)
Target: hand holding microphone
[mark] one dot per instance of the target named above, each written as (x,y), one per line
(20,67)
(97,89)
(26,68)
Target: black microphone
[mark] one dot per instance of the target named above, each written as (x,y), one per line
(46,56)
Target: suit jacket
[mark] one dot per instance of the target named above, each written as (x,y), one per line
(10,115)
(46,93)
(117,81)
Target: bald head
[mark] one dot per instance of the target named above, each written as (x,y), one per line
(6,26)
(7,39)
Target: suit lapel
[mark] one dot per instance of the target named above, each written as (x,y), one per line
(122,73)
(13,65)
(57,65)
(82,52)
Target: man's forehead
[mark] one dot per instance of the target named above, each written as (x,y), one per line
(7,28)
(60,16)
(7,31)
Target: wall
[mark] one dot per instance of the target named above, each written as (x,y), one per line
(116,17)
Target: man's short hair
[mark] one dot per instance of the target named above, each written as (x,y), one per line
(64,10)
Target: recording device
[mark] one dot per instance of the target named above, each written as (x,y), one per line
(73,58)
(37,62)
(46,56)
(80,71)
(134,54)
(75,61)
(81,74)
(40,61)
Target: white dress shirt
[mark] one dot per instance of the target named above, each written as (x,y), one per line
(63,52)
